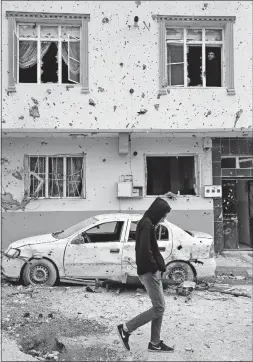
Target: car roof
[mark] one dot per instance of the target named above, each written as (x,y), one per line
(117,215)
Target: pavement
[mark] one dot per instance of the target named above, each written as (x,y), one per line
(236,263)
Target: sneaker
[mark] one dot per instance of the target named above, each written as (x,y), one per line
(124,336)
(161,347)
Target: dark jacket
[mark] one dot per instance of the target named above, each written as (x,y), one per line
(148,256)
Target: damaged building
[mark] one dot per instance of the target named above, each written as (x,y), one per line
(107,105)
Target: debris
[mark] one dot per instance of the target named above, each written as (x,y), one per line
(26,315)
(171,195)
(40,315)
(138,3)
(90,289)
(21,117)
(142,111)
(114,108)
(232,291)
(189,349)
(121,64)
(240,277)
(140,290)
(4,160)
(208,113)
(100,89)
(144,66)
(92,103)
(157,106)
(186,288)
(207,345)
(143,95)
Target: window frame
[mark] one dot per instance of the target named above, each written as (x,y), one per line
(203,43)
(211,22)
(39,39)
(237,161)
(197,170)
(47,197)
(64,19)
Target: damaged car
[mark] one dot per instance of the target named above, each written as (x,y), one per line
(103,247)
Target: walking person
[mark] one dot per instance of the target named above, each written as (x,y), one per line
(150,265)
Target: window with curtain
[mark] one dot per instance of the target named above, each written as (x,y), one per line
(55,176)
(48,53)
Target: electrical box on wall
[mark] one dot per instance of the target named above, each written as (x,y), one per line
(125,189)
(212,191)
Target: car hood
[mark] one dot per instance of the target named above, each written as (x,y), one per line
(38,239)
(200,234)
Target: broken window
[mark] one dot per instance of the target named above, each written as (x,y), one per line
(175,174)
(48,54)
(106,232)
(237,162)
(194,57)
(55,177)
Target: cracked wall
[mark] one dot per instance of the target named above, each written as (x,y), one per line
(124,57)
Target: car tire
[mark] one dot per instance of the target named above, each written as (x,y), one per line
(39,272)
(179,272)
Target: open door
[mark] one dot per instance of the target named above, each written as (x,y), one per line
(230,219)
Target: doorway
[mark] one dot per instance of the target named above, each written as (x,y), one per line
(237,201)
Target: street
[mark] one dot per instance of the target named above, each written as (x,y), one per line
(71,324)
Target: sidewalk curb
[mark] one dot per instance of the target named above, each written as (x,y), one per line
(235,271)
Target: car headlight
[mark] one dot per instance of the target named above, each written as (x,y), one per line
(12,253)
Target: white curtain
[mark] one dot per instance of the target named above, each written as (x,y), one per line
(74,53)
(28,54)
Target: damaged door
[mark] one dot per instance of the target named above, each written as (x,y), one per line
(230,220)
(164,240)
(96,251)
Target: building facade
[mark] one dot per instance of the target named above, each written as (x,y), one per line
(108,104)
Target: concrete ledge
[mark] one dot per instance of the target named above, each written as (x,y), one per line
(235,271)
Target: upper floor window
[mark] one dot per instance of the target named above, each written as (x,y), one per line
(48,48)
(57,176)
(194,57)
(48,54)
(196,51)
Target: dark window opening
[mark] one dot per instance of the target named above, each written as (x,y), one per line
(213,67)
(27,69)
(107,232)
(194,66)
(170,174)
(49,63)
(228,162)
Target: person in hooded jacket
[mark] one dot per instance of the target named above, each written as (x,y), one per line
(150,266)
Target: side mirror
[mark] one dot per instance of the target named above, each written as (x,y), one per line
(78,240)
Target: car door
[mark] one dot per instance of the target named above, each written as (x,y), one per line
(164,240)
(101,256)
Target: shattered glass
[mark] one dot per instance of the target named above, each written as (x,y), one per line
(174,34)
(74,176)
(28,31)
(194,34)
(74,31)
(49,32)
(37,167)
(55,175)
(213,35)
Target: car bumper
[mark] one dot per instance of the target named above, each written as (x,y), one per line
(11,268)
(207,269)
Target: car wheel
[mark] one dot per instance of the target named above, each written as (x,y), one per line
(179,272)
(39,272)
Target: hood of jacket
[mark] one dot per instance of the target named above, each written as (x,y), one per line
(157,210)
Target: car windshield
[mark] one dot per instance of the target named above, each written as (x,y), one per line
(73,229)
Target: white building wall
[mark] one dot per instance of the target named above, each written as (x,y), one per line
(119,42)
